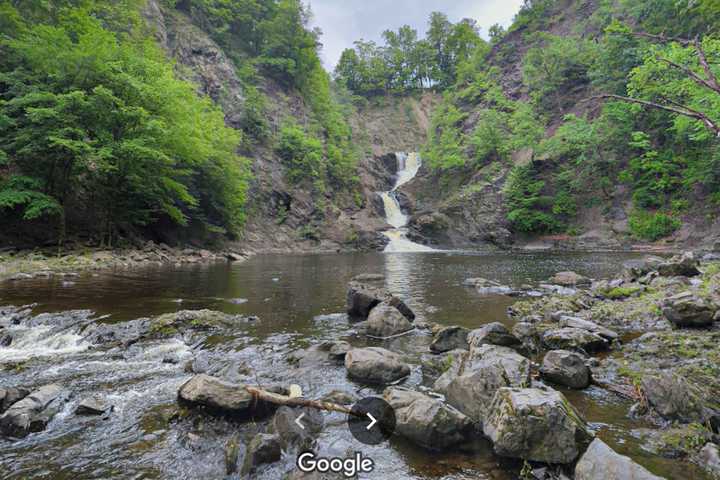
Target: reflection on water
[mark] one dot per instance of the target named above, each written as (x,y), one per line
(295,297)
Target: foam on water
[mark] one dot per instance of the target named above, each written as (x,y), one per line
(40,341)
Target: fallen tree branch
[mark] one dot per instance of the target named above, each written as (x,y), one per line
(283,400)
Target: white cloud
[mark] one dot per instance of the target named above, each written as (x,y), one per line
(344,21)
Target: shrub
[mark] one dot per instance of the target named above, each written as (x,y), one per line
(652,226)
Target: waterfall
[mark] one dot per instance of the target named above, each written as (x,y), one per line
(408,166)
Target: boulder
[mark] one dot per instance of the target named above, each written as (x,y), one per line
(573,339)
(601,461)
(362,298)
(709,459)
(634,269)
(263,448)
(483,371)
(687,310)
(565,368)
(673,398)
(577,322)
(528,334)
(93,406)
(284,425)
(31,414)
(570,279)
(386,321)
(685,265)
(492,334)
(375,365)
(224,397)
(447,367)
(535,425)
(425,420)
(11,395)
(449,338)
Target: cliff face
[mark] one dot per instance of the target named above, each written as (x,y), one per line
(283,216)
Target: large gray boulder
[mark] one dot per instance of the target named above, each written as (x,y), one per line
(452,362)
(565,368)
(581,323)
(535,425)
(671,396)
(635,269)
(385,321)
(485,370)
(375,365)
(425,420)
(224,397)
(362,298)
(449,338)
(32,413)
(685,265)
(687,310)
(569,338)
(602,462)
(492,334)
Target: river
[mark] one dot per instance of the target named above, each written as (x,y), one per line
(299,300)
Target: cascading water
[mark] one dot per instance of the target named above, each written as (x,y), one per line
(408,166)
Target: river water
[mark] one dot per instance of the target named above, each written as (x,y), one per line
(299,301)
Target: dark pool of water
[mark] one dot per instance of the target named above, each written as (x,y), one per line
(295,297)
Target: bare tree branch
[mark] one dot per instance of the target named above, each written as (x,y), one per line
(712,78)
(711,84)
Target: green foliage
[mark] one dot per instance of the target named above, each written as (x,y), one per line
(406,63)
(302,154)
(527,208)
(100,120)
(652,226)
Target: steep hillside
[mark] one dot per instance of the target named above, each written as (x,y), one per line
(522,151)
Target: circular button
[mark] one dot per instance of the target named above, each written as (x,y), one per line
(372,421)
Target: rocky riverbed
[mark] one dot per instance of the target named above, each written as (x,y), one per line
(175,395)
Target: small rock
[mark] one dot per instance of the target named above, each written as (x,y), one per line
(535,425)
(369,277)
(566,368)
(10,396)
(570,279)
(685,265)
(340,397)
(285,426)
(215,394)
(671,396)
(93,406)
(449,338)
(602,462)
(6,340)
(573,339)
(709,459)
(492,334)
(263,449)
(577,322)
(31,414)
(528,334)
(385,321)
(375,365)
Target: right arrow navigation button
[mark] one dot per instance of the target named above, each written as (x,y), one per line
(372,421)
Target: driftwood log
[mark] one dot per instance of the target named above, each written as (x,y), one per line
(298,401)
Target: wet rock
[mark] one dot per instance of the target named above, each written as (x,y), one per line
(685,265)
(338,350)
(425,420)
(449,338)
(581,323)
(492,334)
(263,449)
(709,459)
(224,397)
(284,425)
(536,425)
(565,368)
(93,406)
(333,351)
(340,397)
(444,367)
(600,461)
(570,279)
(5,340)
(232,450)
(687,310)
(528,334)
(375,365)
(483,371)
(573,339)
(31,414)
(386,321)
(362,298)
(10,396)
(488,287)
(675,399)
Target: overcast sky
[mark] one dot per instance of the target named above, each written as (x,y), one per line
(344,21)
